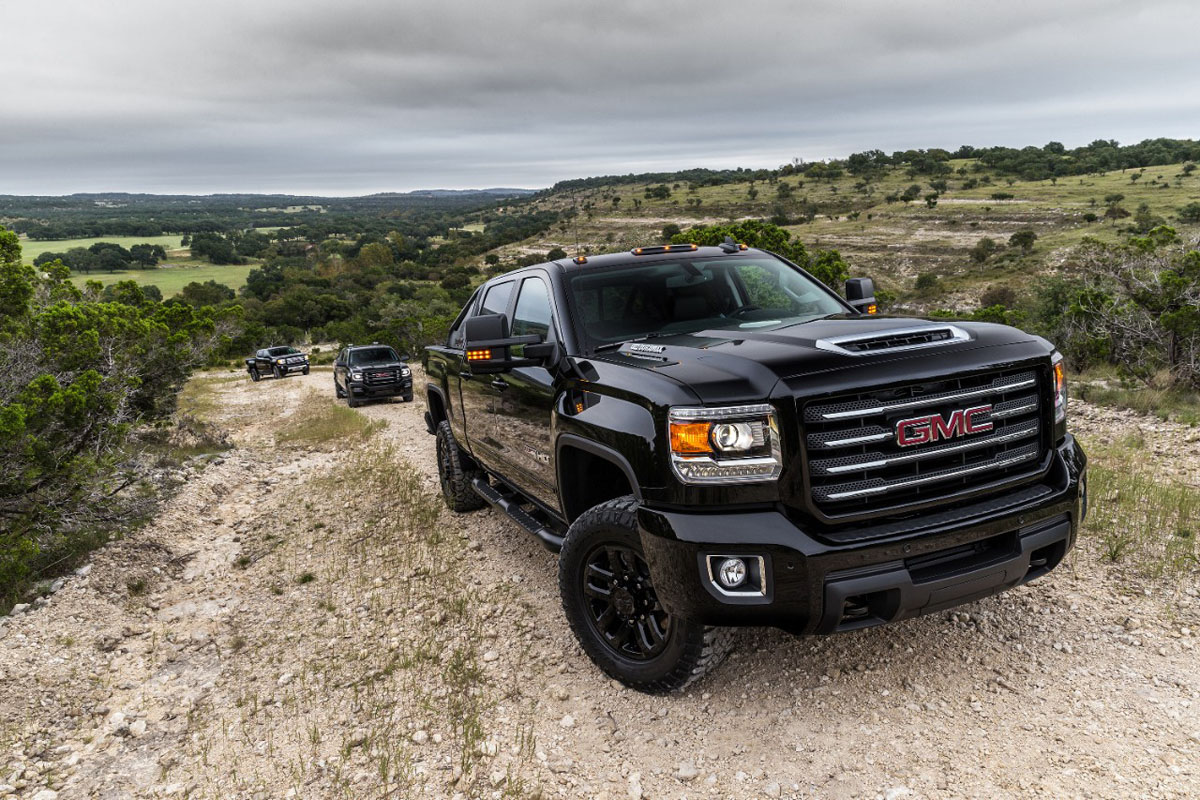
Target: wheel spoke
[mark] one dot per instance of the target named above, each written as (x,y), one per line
(594,570)
(605,620)
(599,592)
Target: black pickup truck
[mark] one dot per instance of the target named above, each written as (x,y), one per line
(277,361)
(711,437)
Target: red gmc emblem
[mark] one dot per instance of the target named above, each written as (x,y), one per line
(923,430)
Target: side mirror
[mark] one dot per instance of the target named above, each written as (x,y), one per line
(487,342)
(860,293)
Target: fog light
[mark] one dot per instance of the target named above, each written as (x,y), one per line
(732,572)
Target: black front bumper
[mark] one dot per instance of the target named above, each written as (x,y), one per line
(400,387)
(814,586)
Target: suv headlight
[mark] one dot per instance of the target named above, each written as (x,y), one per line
(731,444)
(1060,387)
(405,371)
(356,376)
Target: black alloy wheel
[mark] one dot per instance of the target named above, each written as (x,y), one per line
(623,609)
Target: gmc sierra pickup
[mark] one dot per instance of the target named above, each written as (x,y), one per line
(710,437)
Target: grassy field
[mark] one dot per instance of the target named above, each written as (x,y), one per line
(32,249)
(893,242)
(172,276)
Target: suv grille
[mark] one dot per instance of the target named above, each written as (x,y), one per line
(862,461)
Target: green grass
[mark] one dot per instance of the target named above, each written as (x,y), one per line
(1138,519)
(31,249)
(172,276)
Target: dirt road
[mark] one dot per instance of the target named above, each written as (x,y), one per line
(304,621)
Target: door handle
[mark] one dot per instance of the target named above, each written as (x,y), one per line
(500,384)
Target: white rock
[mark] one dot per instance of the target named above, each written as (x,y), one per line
(84,570)
(772,789)
(20,608)
(46,794)
(285,679)
(490,655)
(896,792)
(567,721)
(138,728)
(635,786)
(420,737)
(687,772)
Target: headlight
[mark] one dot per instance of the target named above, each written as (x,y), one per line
(732,444)
(279,361)
(356,376)
(1060,387)
(405,371)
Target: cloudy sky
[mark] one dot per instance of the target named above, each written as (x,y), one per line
(359,96)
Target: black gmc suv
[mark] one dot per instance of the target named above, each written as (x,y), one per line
(711,437)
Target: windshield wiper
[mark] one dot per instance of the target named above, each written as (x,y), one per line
(623,342)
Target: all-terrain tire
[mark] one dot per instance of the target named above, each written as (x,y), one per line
(456,470)
(353,401)
(254,375)
(304,371)
(337,390)
(691,649)
(408,397)
(278,371)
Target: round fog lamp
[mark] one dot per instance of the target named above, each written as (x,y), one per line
(732,572)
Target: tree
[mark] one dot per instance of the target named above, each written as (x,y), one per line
(209,293)
(555,254)
(660,192)
(1190,213)
(1115,212)
(669,230)
(147,255)
(939,185)
(1023,239)
(828,266)
(911,193)
(215,247)
(1145,220)
(983,250)
(931,200)
(77,372)
(491,259)
(1142,301)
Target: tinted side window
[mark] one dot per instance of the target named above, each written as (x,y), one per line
(496,299)
(533,309)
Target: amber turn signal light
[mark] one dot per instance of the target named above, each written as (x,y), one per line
(484,354)
(690,437)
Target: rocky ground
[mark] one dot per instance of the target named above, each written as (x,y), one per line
(305,620)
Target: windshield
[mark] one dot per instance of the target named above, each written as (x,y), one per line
(675,297)
(282,351)
(373,355)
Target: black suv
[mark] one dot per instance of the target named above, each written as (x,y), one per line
(369,372)
(712,437)
(277,361)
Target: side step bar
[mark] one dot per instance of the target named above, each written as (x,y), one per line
(511,505)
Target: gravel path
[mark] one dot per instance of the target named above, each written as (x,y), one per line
(280,645)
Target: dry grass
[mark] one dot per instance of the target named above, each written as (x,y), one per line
(318,422)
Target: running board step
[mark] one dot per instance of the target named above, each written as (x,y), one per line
(511,506)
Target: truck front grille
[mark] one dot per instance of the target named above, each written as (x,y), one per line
(885,450)
(380,377)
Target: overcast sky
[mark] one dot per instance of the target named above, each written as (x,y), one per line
(360,96)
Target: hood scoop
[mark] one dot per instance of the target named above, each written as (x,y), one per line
(893,341)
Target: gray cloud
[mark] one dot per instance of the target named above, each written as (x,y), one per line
(369,95)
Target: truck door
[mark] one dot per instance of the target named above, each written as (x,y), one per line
(524,400)
(479,398)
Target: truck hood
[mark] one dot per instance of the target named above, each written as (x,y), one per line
(733,365)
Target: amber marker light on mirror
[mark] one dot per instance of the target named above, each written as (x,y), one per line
(479,355)
(872,309)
